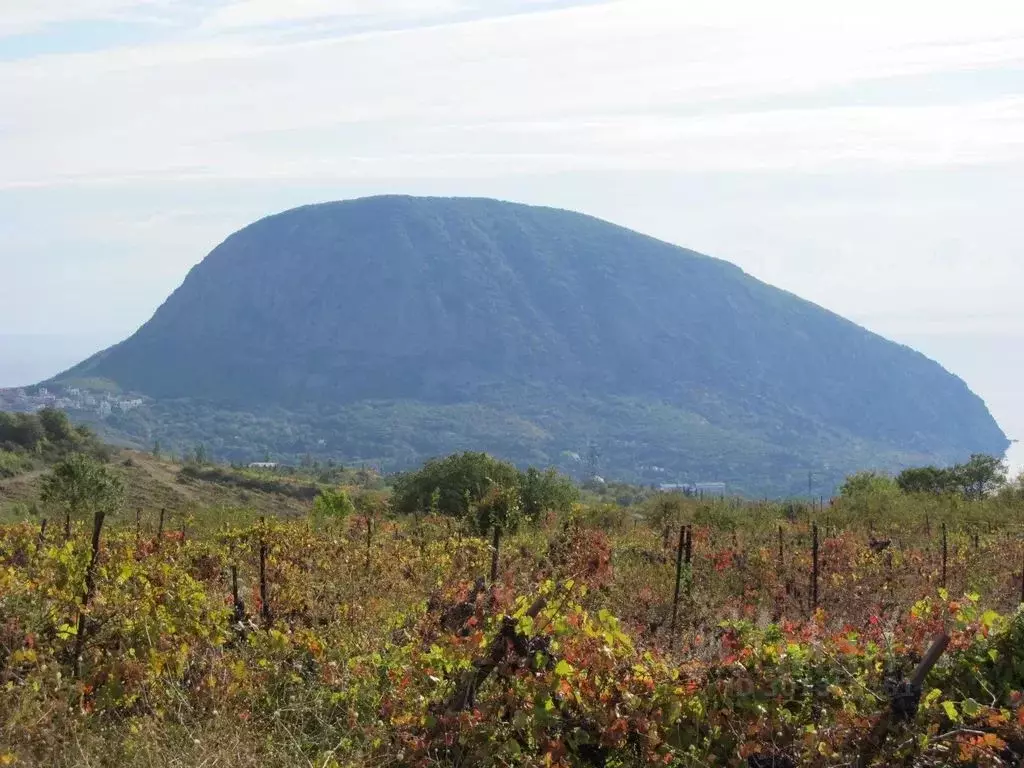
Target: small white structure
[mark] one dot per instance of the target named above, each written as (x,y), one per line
(711,489)
(263,465)
(695,489)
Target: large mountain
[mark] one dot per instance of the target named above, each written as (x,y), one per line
(394,328)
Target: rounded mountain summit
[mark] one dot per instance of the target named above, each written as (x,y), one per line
(393,329)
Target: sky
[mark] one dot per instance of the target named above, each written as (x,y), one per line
(867,156)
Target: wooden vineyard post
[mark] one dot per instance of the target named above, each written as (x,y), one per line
(138,523)
(689,555)
(42,533)
(945,553)
(495,554)
(679,578)
(264,588)
(465,692)
(369,540)
(160,529)
(814,567)
(238,605)
(881,730)
(234,587)
(781,551)
(90,588)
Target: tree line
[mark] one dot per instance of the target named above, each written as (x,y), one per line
(975,479)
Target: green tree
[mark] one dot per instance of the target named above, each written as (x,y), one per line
(24,430)
(1013,491)
(333,504)
(546,492)
(979,477)
(482,490)
(80,486)
(869,493)
(461,481)
(926,480)
(56,426)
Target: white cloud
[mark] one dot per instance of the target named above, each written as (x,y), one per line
(632,84)
(25,16)
(257,13)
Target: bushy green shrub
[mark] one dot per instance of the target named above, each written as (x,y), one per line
(333,504)
(482,489)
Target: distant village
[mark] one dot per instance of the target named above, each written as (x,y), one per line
(710,489)
(31,399)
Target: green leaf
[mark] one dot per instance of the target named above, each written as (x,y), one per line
(970,708)
(563,668)
(951,712)
(990,618)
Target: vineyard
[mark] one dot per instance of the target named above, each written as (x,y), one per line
(688,634)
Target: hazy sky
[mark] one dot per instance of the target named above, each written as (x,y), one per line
(868,156)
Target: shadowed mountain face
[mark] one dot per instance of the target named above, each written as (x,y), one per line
(430,325)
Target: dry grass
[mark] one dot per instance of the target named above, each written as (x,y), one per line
(153,484)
